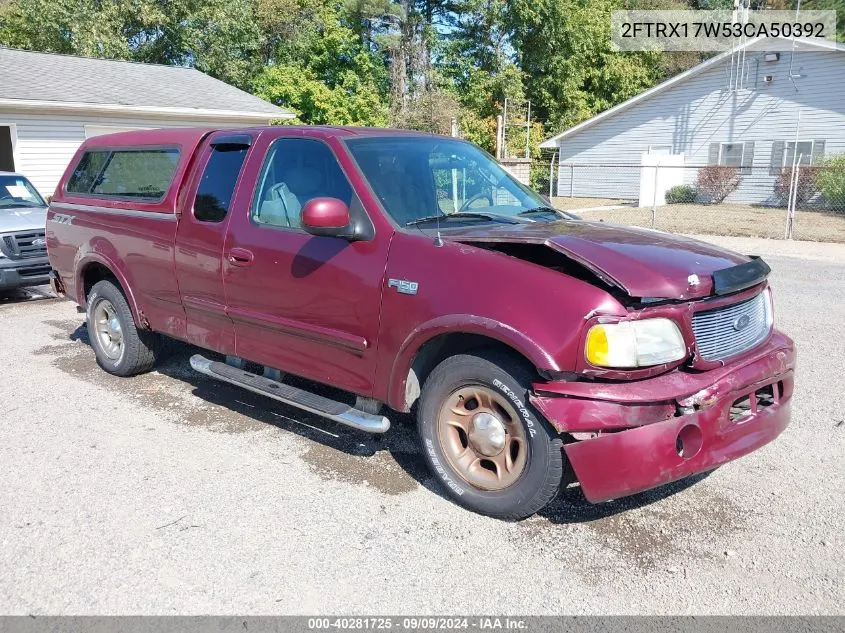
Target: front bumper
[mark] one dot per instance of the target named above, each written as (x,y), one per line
(655,431)
(15,273)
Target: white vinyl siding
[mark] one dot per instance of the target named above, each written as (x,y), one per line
(700,112)
(92,131)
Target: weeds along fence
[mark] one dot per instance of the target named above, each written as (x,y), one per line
(802,203)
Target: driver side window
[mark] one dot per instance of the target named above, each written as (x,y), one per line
(295,171)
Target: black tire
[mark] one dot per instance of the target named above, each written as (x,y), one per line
(140,348)
(541,476)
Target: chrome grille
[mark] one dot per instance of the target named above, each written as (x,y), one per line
(732,329)
(24,244)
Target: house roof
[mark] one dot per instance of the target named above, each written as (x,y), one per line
(47,80)
(754,44)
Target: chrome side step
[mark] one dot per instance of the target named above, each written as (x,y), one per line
(305,400)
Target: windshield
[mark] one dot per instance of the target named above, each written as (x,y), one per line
(419,179)
(18,192)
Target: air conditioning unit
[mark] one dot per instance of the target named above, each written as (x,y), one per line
(771,57)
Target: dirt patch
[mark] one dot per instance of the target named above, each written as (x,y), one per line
(380,470)
(647,537)
(389,465)
(41,294)
(574,204)
(167,390)
(723,219)
(52,350)
(658,529)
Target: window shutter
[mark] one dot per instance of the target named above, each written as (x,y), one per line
(747,157)
(818,152)
(713,158)
(776,166)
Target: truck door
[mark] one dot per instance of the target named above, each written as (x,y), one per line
(304,304)
(199,241)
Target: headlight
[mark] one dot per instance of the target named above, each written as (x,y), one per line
(631,344)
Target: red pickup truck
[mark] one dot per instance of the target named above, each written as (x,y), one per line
(412,271)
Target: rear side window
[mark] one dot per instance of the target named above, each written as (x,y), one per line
(215,191)
(143,174)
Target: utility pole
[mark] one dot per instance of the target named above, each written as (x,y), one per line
(528,133)
(498,137)
(505,131)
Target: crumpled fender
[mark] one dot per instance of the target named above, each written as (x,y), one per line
(460,324)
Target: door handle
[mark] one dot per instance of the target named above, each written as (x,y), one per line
(240,257)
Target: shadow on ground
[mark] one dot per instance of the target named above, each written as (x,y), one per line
(390,463)
(25,295)
(571,506)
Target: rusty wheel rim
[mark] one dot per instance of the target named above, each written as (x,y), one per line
(482,437)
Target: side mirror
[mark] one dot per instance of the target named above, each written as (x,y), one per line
(327,217)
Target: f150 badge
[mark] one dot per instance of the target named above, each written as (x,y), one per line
(404,286)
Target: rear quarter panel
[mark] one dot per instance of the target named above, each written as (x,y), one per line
(138,250)
(133,238)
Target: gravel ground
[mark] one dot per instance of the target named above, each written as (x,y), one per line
(167,493)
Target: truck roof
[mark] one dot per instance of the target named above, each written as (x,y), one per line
(192,136)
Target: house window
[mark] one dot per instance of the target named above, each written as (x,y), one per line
(735,154)
(660,149)
(784,154)
(805,153)
(730,154)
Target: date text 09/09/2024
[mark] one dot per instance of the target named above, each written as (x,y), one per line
(716,30)
(418,623)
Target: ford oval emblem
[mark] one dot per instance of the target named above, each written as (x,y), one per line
(742,322)
(39,241)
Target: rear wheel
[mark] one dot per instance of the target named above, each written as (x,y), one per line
(482,439)
(121,349)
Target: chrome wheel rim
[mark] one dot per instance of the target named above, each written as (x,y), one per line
(108,330)
(482,438)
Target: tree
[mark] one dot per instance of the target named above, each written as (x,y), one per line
(318,65)
(297,88)
(83,27)
(564,47)
(216,36)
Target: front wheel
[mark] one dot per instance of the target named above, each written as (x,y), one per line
(482,439)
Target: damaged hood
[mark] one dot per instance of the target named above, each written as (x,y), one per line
(642,262)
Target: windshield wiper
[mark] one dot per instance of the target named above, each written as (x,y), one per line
(23,205)
(544,211)
(461,215)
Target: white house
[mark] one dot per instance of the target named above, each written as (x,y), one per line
(49,104)
(749,108)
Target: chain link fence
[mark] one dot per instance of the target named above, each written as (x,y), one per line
(803,203)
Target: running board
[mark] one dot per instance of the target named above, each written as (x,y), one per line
(305,400)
